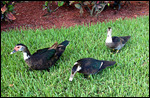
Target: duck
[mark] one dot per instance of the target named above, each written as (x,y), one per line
(89,66)
(44,58)
(115,43)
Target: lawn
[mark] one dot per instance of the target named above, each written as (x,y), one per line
(129,77)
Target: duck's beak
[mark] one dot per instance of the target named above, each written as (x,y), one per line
(13,51)
(71,77)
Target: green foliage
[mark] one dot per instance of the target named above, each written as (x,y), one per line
(7,10)
(60,3)
(128,78)
(98,6)
(46,6)
(94,7)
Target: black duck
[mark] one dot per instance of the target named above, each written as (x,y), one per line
(42,59)
(89,66)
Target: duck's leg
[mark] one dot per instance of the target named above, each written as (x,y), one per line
(112,51)
(117,51)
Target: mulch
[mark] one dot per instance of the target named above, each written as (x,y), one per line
(30,15)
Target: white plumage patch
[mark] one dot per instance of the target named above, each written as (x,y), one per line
(72,75)
(101,65)
(78,68)
(109,40)
(75,63)
(109,37)
(25,55)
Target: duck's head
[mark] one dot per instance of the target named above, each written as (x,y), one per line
(109,30)
(75,69)
(19,47)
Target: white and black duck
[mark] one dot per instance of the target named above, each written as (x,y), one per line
(89,66)
(115,43)
(42,59)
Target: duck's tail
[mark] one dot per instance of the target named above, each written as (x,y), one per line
(61,48)
(125,39)
(107,63)
(64,43)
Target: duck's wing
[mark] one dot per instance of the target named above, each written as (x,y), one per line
(124,39)
(46,50)
(89,65)
(116,39)
(45,54)
(40,51)
(106,64)
(115,42)
(61,48)
(41,59)
(51,54)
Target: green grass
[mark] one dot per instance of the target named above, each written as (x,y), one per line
(129,77)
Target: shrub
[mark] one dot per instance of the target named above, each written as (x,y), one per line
(7,11)
(97,6)
(94,7)
(47,4)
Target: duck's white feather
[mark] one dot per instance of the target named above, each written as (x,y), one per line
(25,56)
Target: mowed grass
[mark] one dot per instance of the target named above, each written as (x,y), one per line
(129,77)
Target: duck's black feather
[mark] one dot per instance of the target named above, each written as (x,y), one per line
(45,58)
(115,39)
(125,39)
(64,43)
(40,51)
(92,66)
(106,64)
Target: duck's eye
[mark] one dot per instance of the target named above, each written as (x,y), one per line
(17,47)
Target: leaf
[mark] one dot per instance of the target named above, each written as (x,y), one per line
(46,3)
(4,2)
(78,6)
(86,3)
(81,11)
(97,2)
(3,9)
(70,2)
(98,6)
(93,2)
(10,16)
(10,8)
(60,3)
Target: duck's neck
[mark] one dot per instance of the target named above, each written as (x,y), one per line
(26,54)
(109,38)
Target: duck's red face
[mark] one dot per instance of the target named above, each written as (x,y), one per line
(17,48)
